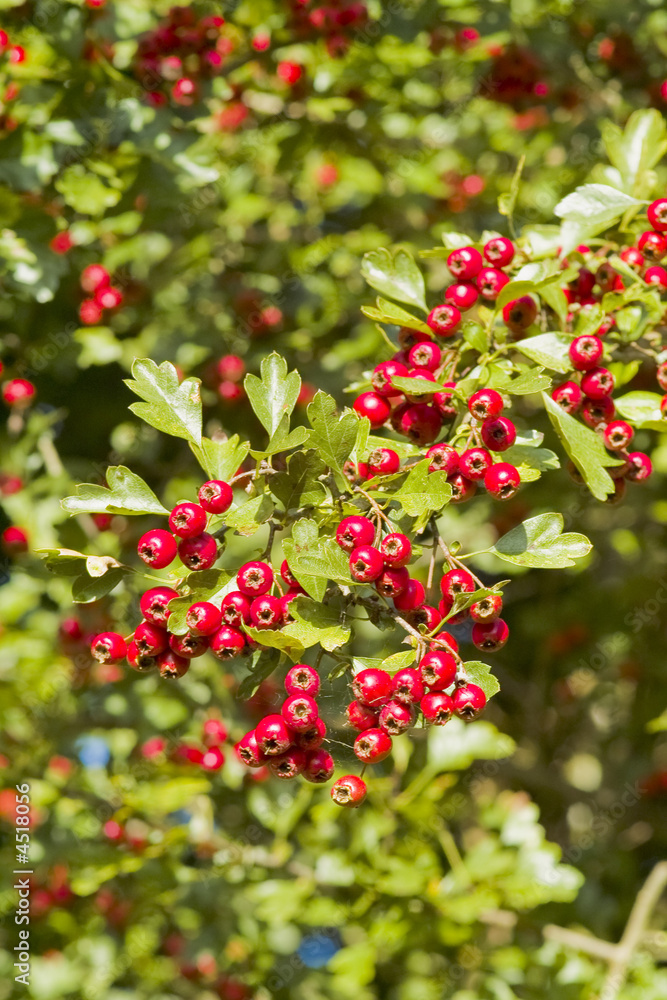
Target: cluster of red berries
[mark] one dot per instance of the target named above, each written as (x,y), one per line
(336,21)
(15,54)
(17,394)
(225,376)
(210,756)
(184,49)
(96,281)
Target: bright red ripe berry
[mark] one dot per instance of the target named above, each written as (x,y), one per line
(568,396)
(302,679)
(300,712)
(93,277)
(109,297)
(287,575)
(424,615)
(657,214)
(203,618)
(14,540)
(396,717)
(310,739)
(366,564)
(382,376)
(361,716)
(474,462)
(396,550)
(141,662)
(412,597)
(319,767)
(273,736)
(444,319)
(289,72)
(443,458)
(108,647)
(445,401)
(640,467)
(653,245)
(267,612)
(373,406)
(248,751)
(502,481)
(468,702)
(417,395)
(461,295)
(463,489)
(597,411)
(18,392)
(498,434)
(633,257)
(215,496)
(661,375)
(485,404)
(235,608)
(392,582)
(490,282)
(227,643)
(420,422)
(171,666)
(285,602)
(150,640)
(349,791)
(656,275)
(214,732)
(184,92)
(437,670)
(437,708)
(383,462)
(465,263)
(499,251)
(663,406)
(457,581)
(372,746)
(355,531)
(520,313)
(372,687)
(90,312)
(157,548)
(189,646)
(213,759)
(154,604)
(585,352)
(597,383)
(492,636)
(408,686)
(187,520)
(199,552)
(255,579)
(487,609)
(425,355)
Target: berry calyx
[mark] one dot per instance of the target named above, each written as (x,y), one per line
(300,712)
(437,708)
(597,383)
(392,582)
(444,320)
(150,640)
(437,670)
(249,752)
(443,458)
(396,717)
(272,735)
(426,355)
(456,581)
(568,396)
(498,434)
(462,295)
(618,435)
(492,636)
(585,352)
(383,462)
(267,612)
(349,791)
(382,376)
(360,716)
(465,263)
(189,646)
(474,462)
(657,214)
(490,282)
(499,251)
(396,550)
(227,643)
(640,468)
(203,618)
(408,686)
(235,609)
(171,666)
(319,767)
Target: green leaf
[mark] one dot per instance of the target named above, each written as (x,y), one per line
(395,275)
(274,395)
(305,538)
(316,623)
(507,200)
(389,312)
(277,640)
(551,350)
(416,386)
(283,439)
(539,542)
(221,459)
(637,148)
(529,381)
(127,493)
(642,409)
(514,290)
(588,210)
(248,518)
(476,336)
(480,674)
(94,576)
(299,486)
(585,448)
(333,437)
(205,585)
(85,192)
(397,661)
(169,406)
(531,461)
(423,490)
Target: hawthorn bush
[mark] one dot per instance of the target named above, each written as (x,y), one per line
(220,197)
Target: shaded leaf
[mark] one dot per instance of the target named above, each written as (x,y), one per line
(585,448)
(127,493)
(539,542)
(395,275)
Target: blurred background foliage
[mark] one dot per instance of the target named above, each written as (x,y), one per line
(237,225)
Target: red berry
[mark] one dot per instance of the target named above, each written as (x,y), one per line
(227,642)
(383,462)
(287,575)
(653,245)
(373,406)
(633,257)
(214,732)
(437,670)
(213,759)
(18,392)
(426,355)
(154,604)
(457,581)
(108,647)
(412,597)
(663,406)
(657,214)
(172,666)
(499,251)
(661,375)
(396,550)
(597,383)
(618,435)
(232,368)
(349,791)
(424,615)
(443,458)
(485,404)
(184,92)
(289,72)
(462,295)
(14,540)
(372,746)
(150,640)
(444,319)
(302,679)
(267,612)
(437,708)
(355,531)
(366,564)
(203,618)
(288,765)
(640,467)
(157,548)
(93,277)
(187,520)
(445,401)
(273,736)
(310,739)
(382,376)
(468,702)
(392,582)
(90,312)
(255,579)
(396,717)
(189,646)
(498,434)
(490,282)
(199,552)
(465,263)
(372,687)
(487,609)
(235,608)
(360,716)
(656,275)
(520,313)
(597,411)
(568,396)
(462,488)
(109,297)
(585,352)
(502,481)
(474,462)
(248,750)
(408,686)
(300,712)
(215,497)
(492,636)
(141,662)
(420,422)
(319,767)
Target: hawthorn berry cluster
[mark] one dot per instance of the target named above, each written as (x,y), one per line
(95,280)
(18,394)
(336,21)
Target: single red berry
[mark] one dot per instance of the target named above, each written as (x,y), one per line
(444,319)
(437,670)
(360,716)
(235,608)
(310,739)
(468,701)
(618,435)
(203,618)
(349,791)
(633,257)
(396,550)
(426,355)
(215,496)
(300,712)
(437,708)
(502,480)
(585,352)
(287,574)
(373,406)
(490,282)
(157,548)
(443,458)
(319,767)
(184,92)
(14,540)
(90,312)
(485,404)
(656,275)
(382,376)
(93,277)
(18,392)
(189,646)
(465,263)
(355,531)
(151,640)
(288,765)
(421,422)
(462,295)
(520,313)
(214,732)
(248,751)
(487,609)
(372,746)
(199,552)
(213,759)
(273,736)
(396,717)
(640,467)
(583,284)
(597,411)
(445,401)
(392,582)
(109,297)
(498,434)
(302,679)
(568,396)
(412,597)
(663,406)
(606,278)
(661,375)
(653,245)
(424,615)
(366,564)
(171,666)
(141,662)
(408,686)
(657,214)
(267,612)
(474,462)
(463,489)
(383,462)
(289,72)
(108,647)
(70,630)
(227,642)
(457,581)
(154,604)
(255,579)
(597,383)
(187,520)
(232,368)
(492,636)
(499,251)
(372,687)
(287,618)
